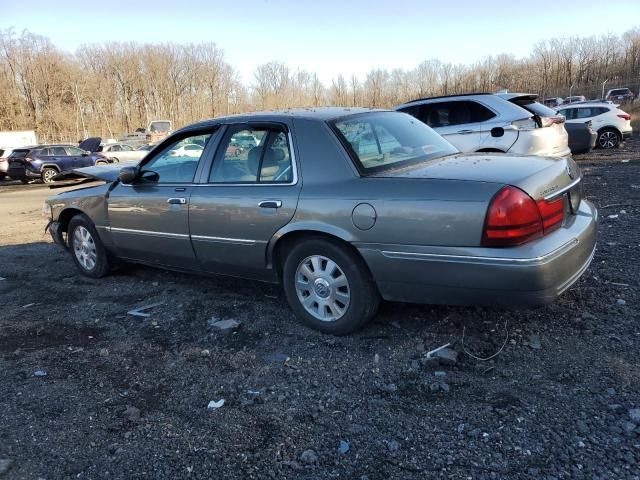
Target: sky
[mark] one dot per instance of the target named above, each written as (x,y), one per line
(324,36)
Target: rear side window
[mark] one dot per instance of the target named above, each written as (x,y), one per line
(620,91)
(445,114)
(253,155)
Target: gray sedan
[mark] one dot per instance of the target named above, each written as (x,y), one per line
(344,207)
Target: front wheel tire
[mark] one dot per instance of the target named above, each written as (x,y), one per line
(329,287)
(86,248)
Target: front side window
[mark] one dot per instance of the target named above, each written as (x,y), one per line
(175,163)
(381,140)
(569,113)
(253,155)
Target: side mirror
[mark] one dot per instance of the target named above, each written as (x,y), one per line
(128,174)
(497,132)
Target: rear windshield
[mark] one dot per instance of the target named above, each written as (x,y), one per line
(533,107)
(620,91)
(382,140)
(160,127)
(19,154)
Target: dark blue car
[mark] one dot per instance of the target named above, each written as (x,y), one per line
(46,161)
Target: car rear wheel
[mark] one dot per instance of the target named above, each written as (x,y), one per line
(608,138)
(86,248)
(102,162)
(328,287)
(48,173)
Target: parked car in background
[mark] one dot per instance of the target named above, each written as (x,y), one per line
(553,102)
(4,161)
(503,122)
(187,150)
(414,220)
(620,95)
(582,138)
(574,99)
(122,152)
(157,130)
(611,124)
(45,161)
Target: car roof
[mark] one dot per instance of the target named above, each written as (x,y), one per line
(45,145)
(589,103)
(322,114)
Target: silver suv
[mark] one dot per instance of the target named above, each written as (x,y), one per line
(501,122)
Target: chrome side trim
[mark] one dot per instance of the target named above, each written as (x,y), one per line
(238,241)
(437,257)
(562,190)
(147,232)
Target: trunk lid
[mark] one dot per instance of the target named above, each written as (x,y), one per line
(539,177)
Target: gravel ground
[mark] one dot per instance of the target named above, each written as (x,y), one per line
(91,392)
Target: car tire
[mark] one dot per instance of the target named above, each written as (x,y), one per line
(609,138)
(102,162)
(86,248)
(342,299)
(47,174)
(24,181)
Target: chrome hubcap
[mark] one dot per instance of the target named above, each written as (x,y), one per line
(84,248)
(49,174)
(608,140)
(322,288)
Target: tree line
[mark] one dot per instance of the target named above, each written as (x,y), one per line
(113,88)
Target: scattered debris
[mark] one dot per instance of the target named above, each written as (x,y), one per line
(2,278)
(634,415)
(277,358)
(103,352)
(620,301)
(626,160)
(387,387)
(141,312)
(439,385)
(223,325)
(534,342)
(39,373)
(440,373)
(344,446)
(132,413)
(5,465)
(213,404)
(28,305)
(431,353)
(309,457)
(393,446)
(376,358)
(615,215)
(484,359)
(205,353)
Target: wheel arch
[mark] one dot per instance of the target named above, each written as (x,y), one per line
(66,215)
(288,236)
(50,165)
(610,127)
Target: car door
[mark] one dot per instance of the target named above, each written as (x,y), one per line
(244,200)
(149,219)
(76,158)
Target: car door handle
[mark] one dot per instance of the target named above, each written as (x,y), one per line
(464,132)
(177,201)
(270,204)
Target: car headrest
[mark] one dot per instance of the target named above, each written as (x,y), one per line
(272,157)
(253,159)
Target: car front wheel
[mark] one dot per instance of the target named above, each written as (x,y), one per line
(86,248)
(329,287)
(608,138)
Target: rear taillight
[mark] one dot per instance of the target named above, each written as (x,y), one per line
(552,214)
(625,116)
(514,218)
(555,120)
(525,124)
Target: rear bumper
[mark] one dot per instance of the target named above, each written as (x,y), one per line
(626,135)
(531,274)
(544,142)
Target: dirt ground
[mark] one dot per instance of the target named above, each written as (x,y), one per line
(90,392)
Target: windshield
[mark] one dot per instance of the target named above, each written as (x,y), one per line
(381,140)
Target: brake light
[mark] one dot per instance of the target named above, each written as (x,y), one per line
(514,218)
(625,116)
(548,121)
(526,124)
(552,214)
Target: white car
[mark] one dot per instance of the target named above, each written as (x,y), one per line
(121,152)
(611,124)
(501,122)
(188,150)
